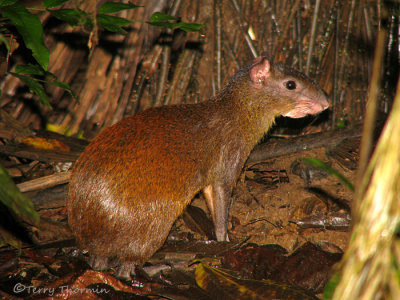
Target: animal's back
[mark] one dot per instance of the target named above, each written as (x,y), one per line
(136,178)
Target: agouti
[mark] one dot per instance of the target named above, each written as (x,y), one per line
(136,177)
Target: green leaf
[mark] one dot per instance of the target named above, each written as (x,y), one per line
(53,3)
(112,23)
(163,20)
(18,203)
(316,163)
(5,42)
(190,27)
(7,2)
(29,69)
(331,285)
(36,70)
(103,19)
(114,28)
(159,17)
(35,87)
(50,75)
(340,124)
(113,7)
(64,86)
(31,30)
(74,17)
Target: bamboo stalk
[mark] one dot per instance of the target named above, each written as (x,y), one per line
(370,115)
(370,265)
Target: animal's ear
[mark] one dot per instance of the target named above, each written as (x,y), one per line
(260,71)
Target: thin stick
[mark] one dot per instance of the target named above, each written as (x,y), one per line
(246,34)
(44,182)
(312,36)
(166,55)
(218,34)
(298,38)
(285,31)
(345,46)
(336,68)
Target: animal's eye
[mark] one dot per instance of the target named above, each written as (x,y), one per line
(290,85)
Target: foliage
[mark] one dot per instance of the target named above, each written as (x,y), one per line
(31,32)
(314,162)
(166,21)
(18,203)
(30,28)
(34,76)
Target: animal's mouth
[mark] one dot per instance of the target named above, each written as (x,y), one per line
(307,107)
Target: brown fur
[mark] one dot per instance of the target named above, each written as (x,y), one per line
(137,176)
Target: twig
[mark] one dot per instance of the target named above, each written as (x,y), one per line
(246,34)
(327,36)
(162,79)
(285,31)
(336,69)
(40,154)
(368,30)
(218,34)
(344,50)
(298,38)
(312,36)
(327,140)
(44,182)
(166,55)
(182,74)
(230,52)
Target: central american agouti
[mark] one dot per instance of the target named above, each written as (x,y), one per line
(136,177)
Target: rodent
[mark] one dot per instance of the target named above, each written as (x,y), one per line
(136,177)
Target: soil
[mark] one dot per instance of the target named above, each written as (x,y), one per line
(261,212)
